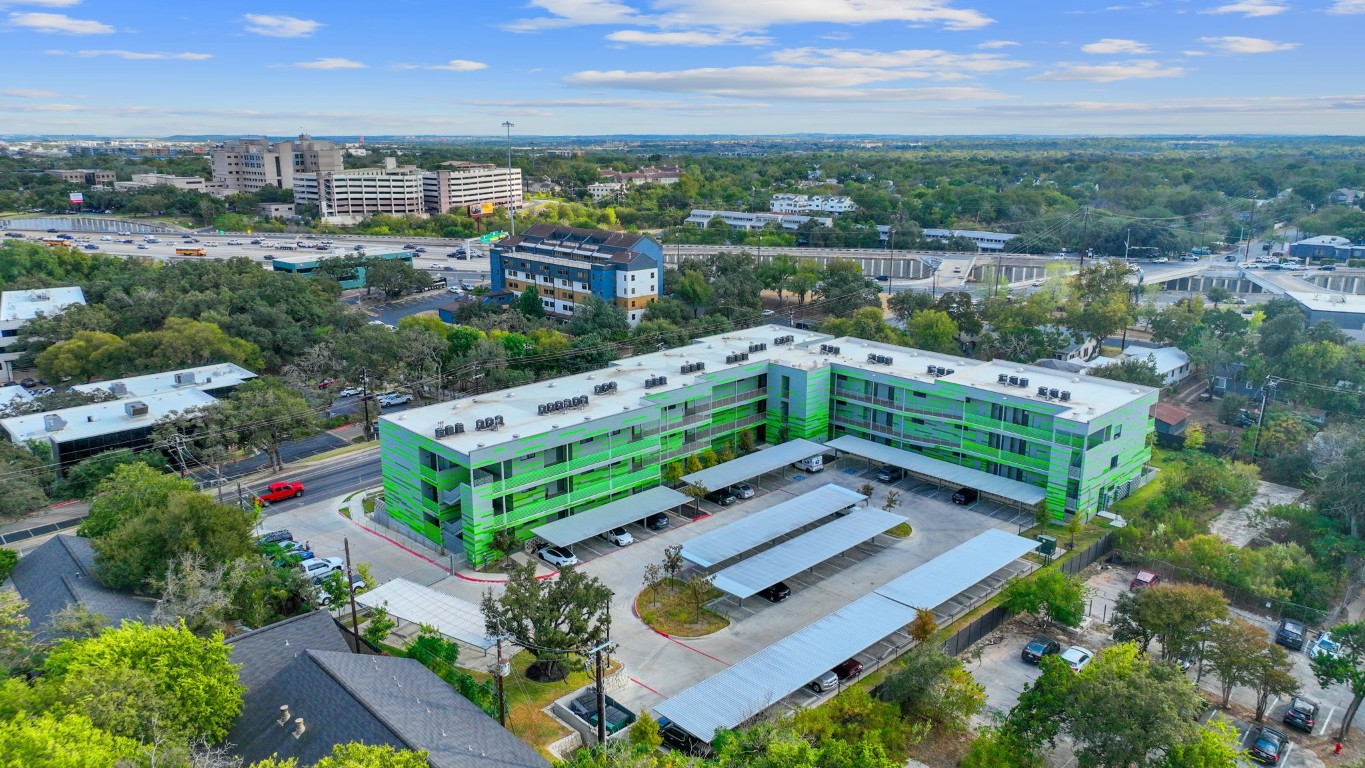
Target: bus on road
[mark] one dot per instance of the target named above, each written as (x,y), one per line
(191,252)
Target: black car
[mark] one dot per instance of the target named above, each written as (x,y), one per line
(1290,634)
(679,740)
(1039,647)
(1268,747)
(1302,714)
(657,521)
(965,496)
(776,593)
(275,537)
(723,498)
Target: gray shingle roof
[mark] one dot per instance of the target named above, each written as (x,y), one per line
(61,573)
(304,662)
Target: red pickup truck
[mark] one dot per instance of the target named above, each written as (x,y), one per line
(279,492)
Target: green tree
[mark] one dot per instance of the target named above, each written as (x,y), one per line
(8,559)
(528,303)
(1131,370)
(1176,615)
(694,291)
(264,414)
(645,732)
(1053,595)
(139,552)
(929,685)
(932,331)
(182,343)
(48,740)
(1099,302)
(1194,437)
(996,747)
(904,304)
(696,492)
(357,755)
(126,493)
(692,464)
(804,281)
(1219,295)
(550,615)
(16,642)
(82,479)
(393,277)
(923,626)
(593,316)
(84,356)
(1347,668)
(1229,652)
(1271,677)
(1218,744)
(775,273)
(844,288)
(378,626)
(191,677)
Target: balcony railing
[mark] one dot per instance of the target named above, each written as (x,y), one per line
(577,464)
(1006,457)
(740,397)
(895,406)
(890,431)
(996,425)
(580,495)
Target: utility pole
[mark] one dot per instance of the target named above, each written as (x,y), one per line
(511,209)
(1126,239)
(1251,224)
(365,402)
(355,616)
(601,693)
(1085,234)
(241,498)
(1270,382)
(500,670)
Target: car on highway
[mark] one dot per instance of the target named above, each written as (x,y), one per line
(276,492)
(619,536)
(419,249)
(1269,746)
(358,248)
(349,392)
(1039,647)
(1327,268)
(1077,658)
(1189,257)
(387,401)
(14,234)
(1037,283)
(90,247)
(269,257)
(234,242)
(142,246)
(1161,260)
(557,556)
(884,278)
(409,247)
(1301,714)
(257,241)
(321,566)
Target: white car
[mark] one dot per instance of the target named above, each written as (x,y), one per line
(349,392)
(107,238)
(235,242)
(319,567)
(1077,658)
(386,401)
(212,243)
(1161,260)
(558,556)
(455,289)
(1324,645)
(619,536)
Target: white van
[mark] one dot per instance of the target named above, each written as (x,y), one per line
(812,465)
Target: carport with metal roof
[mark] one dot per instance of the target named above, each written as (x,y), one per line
(763,526)
(614,514)
(449,615)
(941,472)
(752,575)
(735,695)
(755,464)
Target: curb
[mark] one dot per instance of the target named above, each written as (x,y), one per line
(442,566)
(671,639)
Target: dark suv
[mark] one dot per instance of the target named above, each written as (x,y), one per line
(849,669)
(1302,714)
(679,740)
(776,593)
(1039,647)
(657,521)
(1268,746)
(1290,634)
(965,496)
(722,498)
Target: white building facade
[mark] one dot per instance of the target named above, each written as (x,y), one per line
(471,184)
(789,203)
(19,307)
(351,196)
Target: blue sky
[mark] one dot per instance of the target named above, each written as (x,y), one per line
(553,67)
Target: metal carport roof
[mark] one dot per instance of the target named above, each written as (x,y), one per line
(734,695)
(940,579)
(953,474)
(755,464)
(765,525)
(614,514)
(450,615)
(747,577)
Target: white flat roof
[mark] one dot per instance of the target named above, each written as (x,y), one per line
(1087,392)
(757,463)
(953,474)
(748,577)
(102,418)
(26,305)
(939,580)
(205,377)
(765,525)
(614,514)
(449,615)
(1326,301)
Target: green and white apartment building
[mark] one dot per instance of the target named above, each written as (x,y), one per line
(526,456)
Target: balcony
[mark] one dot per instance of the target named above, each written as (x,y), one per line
(1006,457)
(580,495)
(685,421)
(895,406)
(740,397)
(576,464)
(890,431)
(996,425)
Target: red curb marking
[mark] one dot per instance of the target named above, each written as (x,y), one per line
(62,503)
(672,639)
(642,685)
(456,574)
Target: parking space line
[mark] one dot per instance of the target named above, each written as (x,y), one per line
(1331,710)
(1288,751)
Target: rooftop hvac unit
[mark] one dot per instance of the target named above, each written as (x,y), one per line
(780,340)
(1014,381)
(135,408)
(757,347)
(1023,381)
(932,368)
(440,432)
(1052,393)
(1066,395)
(52,422)
(183,378)
(1003,378)
(1042,391)
(459,427)
(949,372)
(540,409)
(118,389)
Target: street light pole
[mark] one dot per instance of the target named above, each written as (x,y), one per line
(511,208)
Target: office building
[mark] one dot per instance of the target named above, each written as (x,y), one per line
(348,197)
(567,264)
(306,263)
(187,183)
(471,186)
(646,175)
(457,472)
(87,176)
(1332,247)
(19,307)
(276,210)
(744,221)
(789,203)
(249,165)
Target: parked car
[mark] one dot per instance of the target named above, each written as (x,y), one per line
(321,566)
(325,383)
(1290,634)
(722,498)
(965,496)
(279,492)
(1268,746)
(291,547)
(275,537)
(1144,579)
(1324,645)
(1301,714)
(619,536)
(1327,268)
(557,556)
(812,464)
(890,474)
(776,593)
(1039,647)
(455,289)
(41,391)
(386,401)
(849,669)
(677,739)
(826,682)
(657,521)
(884,278)
(1077,658)
(349,392)
(742,491)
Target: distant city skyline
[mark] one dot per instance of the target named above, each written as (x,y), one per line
(680,67)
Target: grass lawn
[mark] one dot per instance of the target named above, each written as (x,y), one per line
(670,610)
(526,698)
(1133,505)
(901,531)
(368,504)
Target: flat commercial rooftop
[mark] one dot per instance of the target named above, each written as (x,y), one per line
(755,464)
(763,526)
(734,695)
(1326,301)
(950,473)
(104,418)
(214,376)
(614,514)
(752,575)
(26,305)
(449,615)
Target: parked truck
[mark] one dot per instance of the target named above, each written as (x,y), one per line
(812,464)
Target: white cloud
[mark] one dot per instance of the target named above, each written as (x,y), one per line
(674,15)
(28,93)
(652,105)
(330,63)
(991,45)
(58,23)
(777,83)
(1111,45)
(1234,44)
(1347,7)
(1136,69)
(280,26)
(454,65)
(692,39)
(134,55)
(1251,8)
(911,63)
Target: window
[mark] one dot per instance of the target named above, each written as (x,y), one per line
(786,386)
(920,394)
(1118,431)
(1114,462)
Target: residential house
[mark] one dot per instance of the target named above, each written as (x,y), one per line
(60,574)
